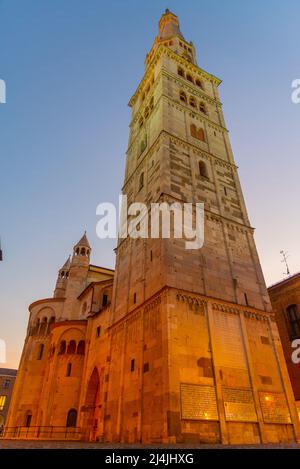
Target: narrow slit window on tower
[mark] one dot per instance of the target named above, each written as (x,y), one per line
(141,182)
(69,370)
(40,352)
(134,297)
(104,300)
(132,365)
(98,331)
(225,190)
(246,299)
(28,418)
(151,256)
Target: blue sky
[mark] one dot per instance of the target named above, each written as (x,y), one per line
(70,68)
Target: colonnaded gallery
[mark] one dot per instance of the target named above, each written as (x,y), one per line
(177,345)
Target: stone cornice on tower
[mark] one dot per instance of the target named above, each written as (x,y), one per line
(180,60)
(186,86)
(218,160)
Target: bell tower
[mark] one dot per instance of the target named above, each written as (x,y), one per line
(196,324)
(77,277)
(179,151)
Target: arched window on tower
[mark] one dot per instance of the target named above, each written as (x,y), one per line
(82,252)
(43,327)
(71,347)
(202,108)
(71,418)
(203,169)
(180,72)
(294,320)
(182,96)
(199,83)
(193,101)
(189,78)
(81,347)
(62,348)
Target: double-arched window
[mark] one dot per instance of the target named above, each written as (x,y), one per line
(197,132)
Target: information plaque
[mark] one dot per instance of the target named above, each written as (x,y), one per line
(198,402)
(274,407)
(239,405)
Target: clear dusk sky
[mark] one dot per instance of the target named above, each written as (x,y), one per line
(70,67)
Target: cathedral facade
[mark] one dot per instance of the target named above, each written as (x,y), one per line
(176,345)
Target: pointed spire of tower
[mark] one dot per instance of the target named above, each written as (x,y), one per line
(67,264)
(168,26)
(83,242)
(62,278)
(170,36)
(82,248)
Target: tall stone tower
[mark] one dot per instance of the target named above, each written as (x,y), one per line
(180,345)
(201,357)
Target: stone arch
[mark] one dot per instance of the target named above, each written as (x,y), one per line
(43,326)
(71,418)
(92,401)
(42,321)
(81,347)
(71,347)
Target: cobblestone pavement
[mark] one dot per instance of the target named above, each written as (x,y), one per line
(13,444)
